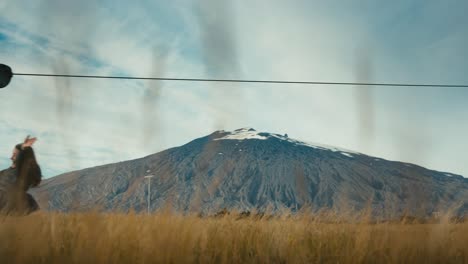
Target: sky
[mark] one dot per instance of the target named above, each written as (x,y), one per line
(82,123)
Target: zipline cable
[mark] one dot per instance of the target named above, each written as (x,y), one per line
(244,81)
(6,74)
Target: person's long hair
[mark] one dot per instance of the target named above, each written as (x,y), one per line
(29,172)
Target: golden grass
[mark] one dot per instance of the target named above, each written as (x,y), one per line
(169,238)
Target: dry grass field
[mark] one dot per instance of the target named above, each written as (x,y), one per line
(169,238)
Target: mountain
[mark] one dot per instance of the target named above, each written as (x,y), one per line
(245,169)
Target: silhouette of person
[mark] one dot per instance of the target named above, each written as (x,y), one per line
(24,173)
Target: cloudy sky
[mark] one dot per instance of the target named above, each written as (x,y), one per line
(84,122)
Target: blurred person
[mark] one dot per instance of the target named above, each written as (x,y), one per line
(23,174)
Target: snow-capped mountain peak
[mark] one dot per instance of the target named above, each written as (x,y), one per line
(250,133)
(245,169)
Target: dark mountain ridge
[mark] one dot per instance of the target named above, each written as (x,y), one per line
(247,170)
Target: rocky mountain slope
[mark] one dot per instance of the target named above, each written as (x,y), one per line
(246,170)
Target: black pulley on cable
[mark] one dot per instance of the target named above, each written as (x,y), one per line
(5,75)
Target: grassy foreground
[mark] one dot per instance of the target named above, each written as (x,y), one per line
(168,238)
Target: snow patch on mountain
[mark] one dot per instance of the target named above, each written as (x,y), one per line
(250,133)
(243,133)
(347,154)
